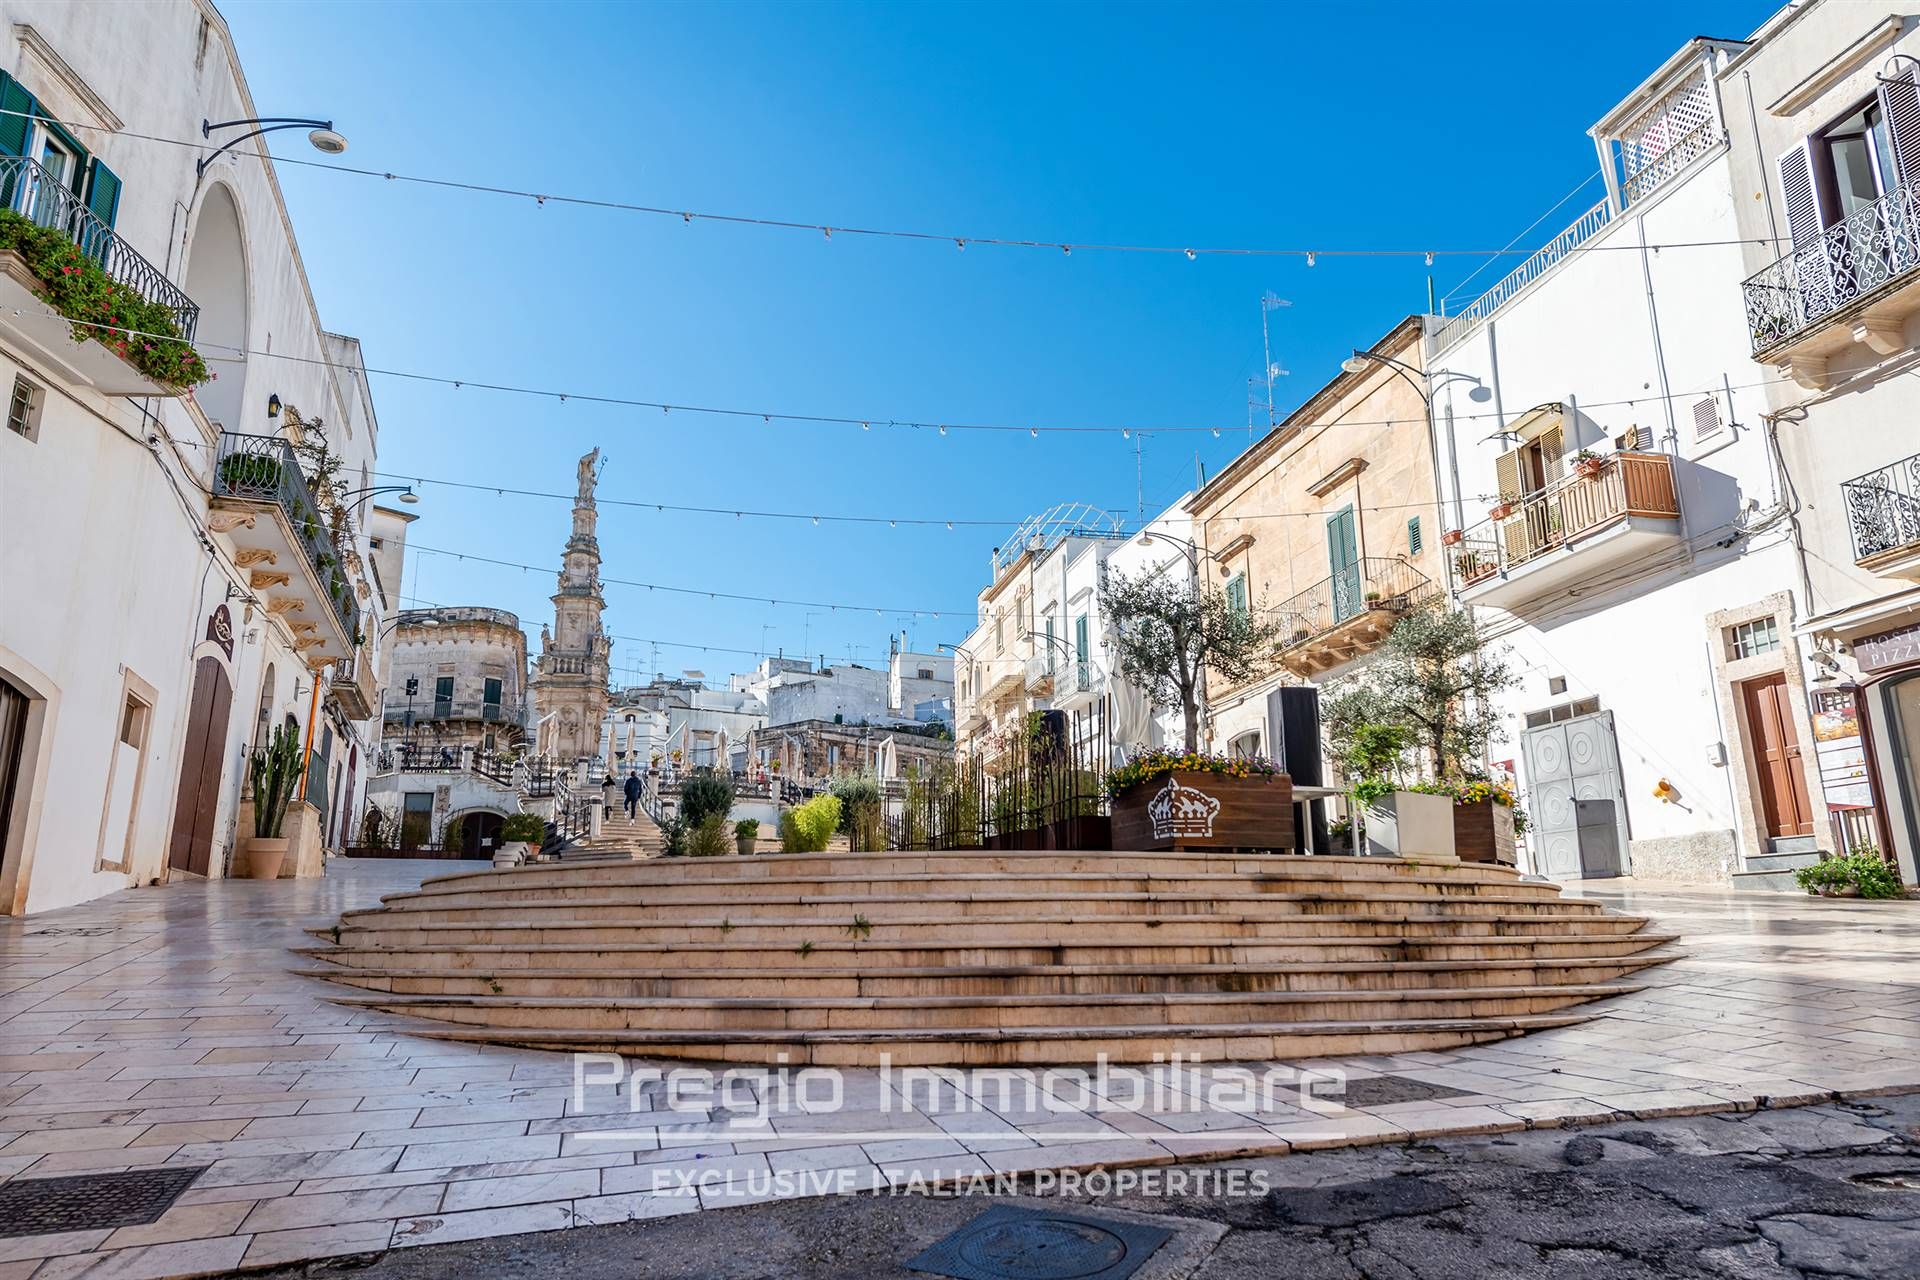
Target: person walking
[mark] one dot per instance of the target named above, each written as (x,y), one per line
(633,792)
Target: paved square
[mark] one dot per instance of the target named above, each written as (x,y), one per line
(160,1027)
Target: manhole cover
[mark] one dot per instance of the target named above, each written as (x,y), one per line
(1010,1243)
(91,1202)
(1376,1091)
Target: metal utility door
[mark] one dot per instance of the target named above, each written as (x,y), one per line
(1775,744)
(200,769)
(1343,560)
(1579,809)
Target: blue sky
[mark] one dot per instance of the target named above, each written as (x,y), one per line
(1333,125)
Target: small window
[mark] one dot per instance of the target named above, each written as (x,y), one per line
(133,723)
(1751,639)
(1413,535)
(23,412)
(1556,684)
(1237,594)
(926,673)
(1563,712)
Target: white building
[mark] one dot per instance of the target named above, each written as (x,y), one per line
(1650,603)
(172,589)
(1825,113)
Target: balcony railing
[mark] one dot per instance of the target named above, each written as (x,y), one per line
(1883,508)
(1455,328)
(1852,258)
(34,194)
(428,710)
(264,469)
(1376,582)
(1628,484)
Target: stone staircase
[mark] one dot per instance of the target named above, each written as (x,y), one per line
(620,837)
(982,958)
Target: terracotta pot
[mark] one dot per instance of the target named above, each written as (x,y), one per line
(264,856)
(1452,537)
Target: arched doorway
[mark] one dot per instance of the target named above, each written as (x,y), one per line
(191,848)
(217,280)
(479,833)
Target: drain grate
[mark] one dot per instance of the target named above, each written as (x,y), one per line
(91,1202)
(1010,1243)
(1376,1091)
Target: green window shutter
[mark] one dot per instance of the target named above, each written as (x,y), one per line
(103,193)
(1413,536)
(1237,594)
(17,105)
(1080,637)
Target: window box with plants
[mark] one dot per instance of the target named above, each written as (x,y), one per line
(1589,465)
(1179,800)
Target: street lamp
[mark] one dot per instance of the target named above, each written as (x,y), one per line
(407,495)
(322,136)
(1424,384)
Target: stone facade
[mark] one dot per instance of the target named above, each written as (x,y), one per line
(469,666)
(819,749)
(570,685)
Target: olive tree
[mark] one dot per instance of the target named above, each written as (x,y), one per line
(1169,634)
(1435,679)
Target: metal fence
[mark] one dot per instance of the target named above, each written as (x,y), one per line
(35,194)
(1038,789)
(264,469)
(1883,508)
(1851,258)
(1374,582)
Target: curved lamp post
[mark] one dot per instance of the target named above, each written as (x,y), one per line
(321,135)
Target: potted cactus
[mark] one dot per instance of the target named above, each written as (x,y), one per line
(275,772)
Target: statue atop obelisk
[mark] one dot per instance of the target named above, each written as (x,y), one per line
(570,685)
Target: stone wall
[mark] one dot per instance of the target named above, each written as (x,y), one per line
(1698,857)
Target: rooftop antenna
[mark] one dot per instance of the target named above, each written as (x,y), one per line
(1139,482)
(1270,302)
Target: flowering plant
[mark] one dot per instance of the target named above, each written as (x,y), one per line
(103,310)
(1149,765)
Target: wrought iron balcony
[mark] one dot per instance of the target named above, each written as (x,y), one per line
(35,194)
(258,477)
(428,710)
(1346,614)
(1883,513)
(1550,538)
(353,686)
(1865,258)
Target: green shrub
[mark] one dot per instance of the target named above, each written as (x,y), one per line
(854,790)
(807,828)
(674,830)
(524,826)
(865,828)
(746,829)
(79,290)
(709,837)
(1863,869)
(705,792)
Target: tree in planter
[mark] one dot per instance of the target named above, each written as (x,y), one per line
(1170,633)
(705,793)
(1437,680)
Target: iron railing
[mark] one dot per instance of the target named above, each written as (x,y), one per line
(1375,582)
(1883,508)
(1627,484)
(427,710)
(264,469)
(1544,259)
(1870,247)
(36,195)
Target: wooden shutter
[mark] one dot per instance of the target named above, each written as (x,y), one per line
(103,193)
(1900,101)
(1797,190)
(1506,469)
(1413,535)
(1552,442)
(18,105)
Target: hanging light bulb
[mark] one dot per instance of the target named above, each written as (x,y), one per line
(1309,257)
(1216,433)
(1067,249)
(827,232)
(961,243)
(1034,432)
(866,426)
(816,519)
(1191,255)
(1125,434)
(1429,257)
(943,428)
(949,524)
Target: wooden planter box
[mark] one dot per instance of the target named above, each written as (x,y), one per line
(1181,811)
(1483,832)
(1092,831)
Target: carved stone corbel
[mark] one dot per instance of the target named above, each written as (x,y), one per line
(263,578)
(228,521)
(247,557)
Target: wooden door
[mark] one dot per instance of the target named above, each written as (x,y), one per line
(1775,744)
(200,769)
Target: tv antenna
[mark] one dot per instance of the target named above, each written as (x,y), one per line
(1270,302)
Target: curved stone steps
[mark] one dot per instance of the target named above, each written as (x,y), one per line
(1000,905)
(731,1013)
(1012,957)
(1037,1046)
(804,931)
(983,980)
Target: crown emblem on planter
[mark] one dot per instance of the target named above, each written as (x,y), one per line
(1181,811)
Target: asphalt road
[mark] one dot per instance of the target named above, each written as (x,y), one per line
(1813,1192)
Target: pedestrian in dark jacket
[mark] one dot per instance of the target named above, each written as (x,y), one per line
(633,792)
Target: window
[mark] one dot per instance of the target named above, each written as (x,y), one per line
(999,634)
(1413,535)
(1080,643)
(925,673)
(1530,467)
(1052,648)
(492,698)
(1564,711)
(1751,639)
(1237,594)
(442,697)
(1246,746)
(1706,417)
(23,413)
